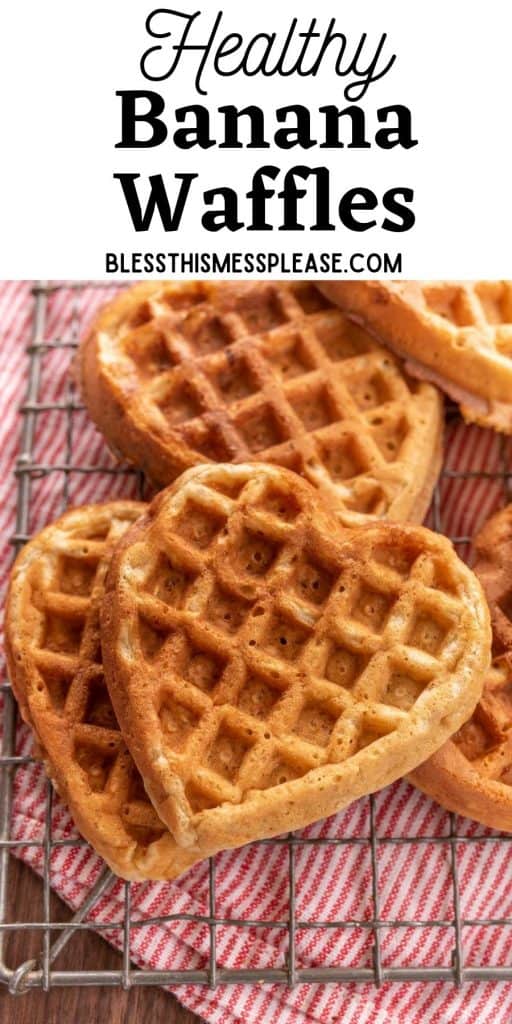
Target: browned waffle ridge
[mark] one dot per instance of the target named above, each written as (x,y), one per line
(457,334)
(55,666)
(472,773)
(176,374)
(268,666)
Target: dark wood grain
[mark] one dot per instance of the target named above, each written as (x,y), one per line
(84,951)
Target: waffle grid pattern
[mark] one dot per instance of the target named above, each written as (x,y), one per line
(327,403)
(65,652)
(485,304)
(55,934)
(485,740)
(380,640)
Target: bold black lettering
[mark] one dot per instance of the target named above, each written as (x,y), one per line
(323,201)
(401,134)
(333,117)
(196,135)
(111,263)
(256,124)
(259,195)
(227,217)
(406,216)
(130,118)
(290,195)
(158,199)
(350,202)
(300,133)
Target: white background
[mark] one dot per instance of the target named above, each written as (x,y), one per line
(62,63)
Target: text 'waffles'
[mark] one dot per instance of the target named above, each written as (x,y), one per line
(187,51)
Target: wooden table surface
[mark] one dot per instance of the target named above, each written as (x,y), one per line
(84,951)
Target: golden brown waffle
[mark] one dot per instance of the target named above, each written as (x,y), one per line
(268,666)
(180,374)
(457,334)
(493,547)
(472,773)
(55,666)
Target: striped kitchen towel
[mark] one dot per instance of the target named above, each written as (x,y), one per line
(333,883)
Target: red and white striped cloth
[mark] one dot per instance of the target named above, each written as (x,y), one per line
(332,883)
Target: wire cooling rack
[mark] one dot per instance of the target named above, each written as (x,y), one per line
(43,971)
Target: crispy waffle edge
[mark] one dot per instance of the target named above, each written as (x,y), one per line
(324,790)
(161,858)
(472,375)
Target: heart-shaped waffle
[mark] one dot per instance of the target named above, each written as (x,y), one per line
(55,666)
(180,374)
(472,773)
(268,666)
(457,334)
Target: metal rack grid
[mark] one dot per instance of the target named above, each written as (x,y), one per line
(40,972)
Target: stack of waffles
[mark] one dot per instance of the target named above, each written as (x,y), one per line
(273,636)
